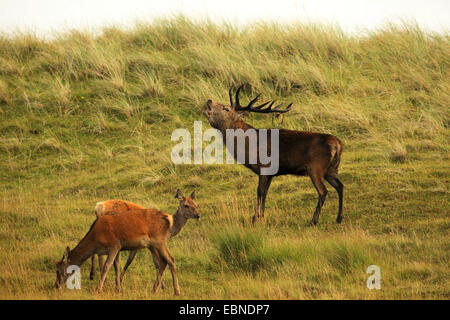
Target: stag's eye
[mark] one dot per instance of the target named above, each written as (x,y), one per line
(226,109)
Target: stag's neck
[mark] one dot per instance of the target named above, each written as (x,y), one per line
(237,124)
(178,223)
(84,249)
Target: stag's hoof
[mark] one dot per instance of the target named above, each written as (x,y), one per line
(254,219)
(312,223)
(339,220)
(177,292)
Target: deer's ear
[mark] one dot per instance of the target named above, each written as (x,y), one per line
(192,196)
(179,195)
(66,254)
(242,114)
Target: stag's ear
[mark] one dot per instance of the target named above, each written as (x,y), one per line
(243,114)
(192,196)
(179,195)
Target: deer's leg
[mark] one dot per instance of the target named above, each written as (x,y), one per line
(111,257)
(337,184)
(117,271)
(100,263)
(162,263)
(317,180)
(263,187)
(171,262)
(92,274)
(155,261)
(127,264)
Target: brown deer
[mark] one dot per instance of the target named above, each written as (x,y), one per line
(113,207)
(130,230)
(301,153)
(116,206)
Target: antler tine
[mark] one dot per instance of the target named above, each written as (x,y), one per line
(251,103)
(261,105)
(230,93)
(257,109)
(274,110)
(238,104)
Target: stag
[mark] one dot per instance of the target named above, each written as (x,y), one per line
(301,153)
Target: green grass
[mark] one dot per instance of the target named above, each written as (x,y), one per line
(85,118)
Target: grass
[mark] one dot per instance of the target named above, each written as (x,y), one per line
(86,117)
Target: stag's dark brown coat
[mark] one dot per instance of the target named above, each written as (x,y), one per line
(300,153)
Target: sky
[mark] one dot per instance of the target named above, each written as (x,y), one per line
(46,17)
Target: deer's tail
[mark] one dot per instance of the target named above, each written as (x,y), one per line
(336,150)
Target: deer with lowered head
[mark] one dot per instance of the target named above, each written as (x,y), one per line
(131,230)
(113,207)
(117,206)
(301,153)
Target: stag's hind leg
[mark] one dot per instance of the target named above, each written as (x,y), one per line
(317,180)
(337,184)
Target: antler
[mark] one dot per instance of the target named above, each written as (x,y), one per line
(259,109)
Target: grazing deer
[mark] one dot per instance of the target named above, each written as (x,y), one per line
(300,153)
(131,230)
(116,206)
(113,207)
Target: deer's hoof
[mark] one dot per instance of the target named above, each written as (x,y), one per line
(339,220)
(255,218)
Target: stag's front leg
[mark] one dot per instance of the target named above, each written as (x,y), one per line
(263,187)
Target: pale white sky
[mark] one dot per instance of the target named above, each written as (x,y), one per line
(47,16)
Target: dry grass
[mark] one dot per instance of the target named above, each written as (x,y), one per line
(85,118)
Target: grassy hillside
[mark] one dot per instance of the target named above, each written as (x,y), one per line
(85,118)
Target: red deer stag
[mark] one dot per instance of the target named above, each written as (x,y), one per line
(130,230)
(300,153)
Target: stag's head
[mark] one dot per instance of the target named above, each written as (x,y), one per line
(187,206)
(61,269)
(222,116)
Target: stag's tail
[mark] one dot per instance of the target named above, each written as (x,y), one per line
(336,150)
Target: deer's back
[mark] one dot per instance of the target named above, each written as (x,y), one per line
(300,150)
(115,206)
(133,229)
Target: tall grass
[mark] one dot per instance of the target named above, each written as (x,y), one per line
(87,117)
